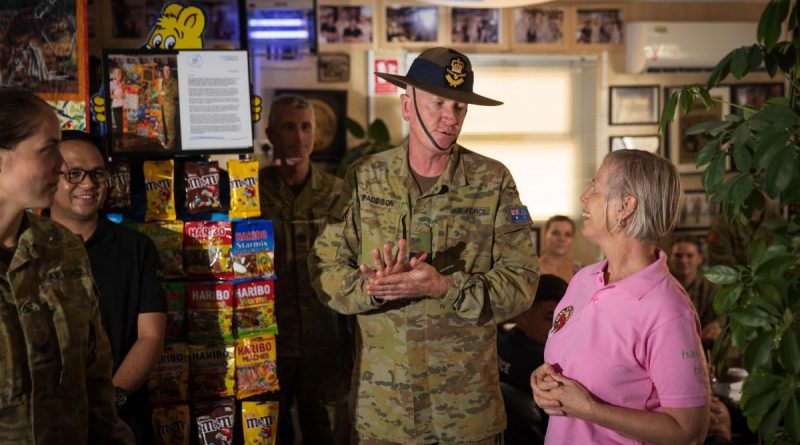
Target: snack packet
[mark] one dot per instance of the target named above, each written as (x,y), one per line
(215,422)
(256,370)
(244,189)
(175,294)
(171,425)
(211,371)
(260,422)
(207,247)
(254,312)
(168,238)
(201,181)
(159,177)
(210,311)
(119,185)
(169,381)
(253,251)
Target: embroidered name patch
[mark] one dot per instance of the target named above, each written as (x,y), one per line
(376,200)
(561,319)
(519,215)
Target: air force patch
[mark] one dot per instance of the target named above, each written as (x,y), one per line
(519,215)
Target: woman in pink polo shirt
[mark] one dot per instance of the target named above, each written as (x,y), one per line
(623,361)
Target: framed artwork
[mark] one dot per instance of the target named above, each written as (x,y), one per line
(599,27)
(536,238)
(470,25)
(45,48)
(541,26)
(222,20)
(683,149)
(412,24)
(333,67)
(754,94)
(633,105)
(651,143)
(345,24)
(696,212)
(330,112)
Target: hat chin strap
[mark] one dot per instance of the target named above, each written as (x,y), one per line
(421,122)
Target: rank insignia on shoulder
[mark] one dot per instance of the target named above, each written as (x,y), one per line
(561,319)
(519,215)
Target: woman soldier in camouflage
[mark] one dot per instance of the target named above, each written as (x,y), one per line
(55,360)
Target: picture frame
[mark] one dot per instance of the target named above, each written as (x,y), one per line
(682,149)
(754,94)
(333,67)
(650,143)
(479,26)
(539,26)
(330,112)
(633,105)
(696,212)
(599,26)
(345,24)
(412,24)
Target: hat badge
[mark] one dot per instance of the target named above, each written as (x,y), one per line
(455,75)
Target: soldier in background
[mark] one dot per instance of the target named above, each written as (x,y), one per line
(427,311)
(685,259)
(169,97)
(314,353)
(55,385)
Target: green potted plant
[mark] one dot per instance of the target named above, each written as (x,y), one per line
(762,298)
(375,139)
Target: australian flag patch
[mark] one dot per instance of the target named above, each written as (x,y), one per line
(519,215)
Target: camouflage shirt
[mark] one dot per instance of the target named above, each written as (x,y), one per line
(428,367)
(55,360)
(702,293)
(307,328)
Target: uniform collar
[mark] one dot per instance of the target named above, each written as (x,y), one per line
(640,283)
(454,173)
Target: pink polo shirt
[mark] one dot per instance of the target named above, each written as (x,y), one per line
(634,343)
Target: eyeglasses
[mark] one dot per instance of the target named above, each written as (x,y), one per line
(76,175)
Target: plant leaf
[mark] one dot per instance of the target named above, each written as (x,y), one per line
(755,251)
(756,58)
(769,26)
(790,350)
(739,151)
(751,317)
(726,298)
(378,132)
(668,113)
(757,354)
(759,404)
(720,72)
(741,187)
(707,153)
(792,419)
(740,62)
(780,172)
(715,173)
(355,128)
(721,274)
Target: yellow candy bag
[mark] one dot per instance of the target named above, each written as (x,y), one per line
(244,189)
(171,425)
(159,180)
(260,422)
(256,370)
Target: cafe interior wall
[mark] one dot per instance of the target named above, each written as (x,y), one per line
(302,73)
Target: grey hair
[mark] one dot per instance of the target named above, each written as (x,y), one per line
(293,100)
(655,184)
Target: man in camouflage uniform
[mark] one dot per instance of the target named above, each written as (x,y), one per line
(314,355)
(55,357)
(685,259)
(427,313)
(169,104)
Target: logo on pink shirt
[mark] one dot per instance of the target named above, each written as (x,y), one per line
(561,319)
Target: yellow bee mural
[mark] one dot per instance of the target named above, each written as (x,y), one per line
(177,27)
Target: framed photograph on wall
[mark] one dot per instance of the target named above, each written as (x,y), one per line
(475,25)
(333,67)
(754,95)
(633,105)
(330,112)
(697,212)
(540,26)
(599,27)
(345,24)
(412,24)
(683,149)
(651,143)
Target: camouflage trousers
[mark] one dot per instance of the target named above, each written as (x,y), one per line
(496,440)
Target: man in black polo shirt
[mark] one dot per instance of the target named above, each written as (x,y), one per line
(124,265)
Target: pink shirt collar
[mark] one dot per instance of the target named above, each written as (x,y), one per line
(638,284)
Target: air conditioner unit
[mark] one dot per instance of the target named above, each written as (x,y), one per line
(667,46)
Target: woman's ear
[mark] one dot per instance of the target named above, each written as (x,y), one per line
(629,204)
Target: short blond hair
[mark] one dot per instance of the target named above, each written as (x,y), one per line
(655,184)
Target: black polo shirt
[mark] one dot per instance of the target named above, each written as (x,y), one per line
(125,267)
(517,357)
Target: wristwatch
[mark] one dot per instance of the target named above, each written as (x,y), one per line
(120,396)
